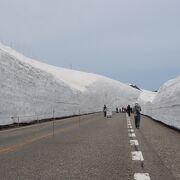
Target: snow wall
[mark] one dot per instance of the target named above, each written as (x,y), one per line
(163,106)
(30,90)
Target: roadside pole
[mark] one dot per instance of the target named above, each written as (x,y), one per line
(18,121)
(53,122)
(79,118)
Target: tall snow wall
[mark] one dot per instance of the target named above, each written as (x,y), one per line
(165,106)
(30,90)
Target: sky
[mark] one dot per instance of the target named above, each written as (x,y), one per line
(133,41)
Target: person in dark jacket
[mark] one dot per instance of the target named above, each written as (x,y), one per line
(105,110)
(137,115)
(117,110)
(129,110)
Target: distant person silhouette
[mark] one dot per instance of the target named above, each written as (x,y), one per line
(105,110)
(129,110)
(117,110)
(137,115)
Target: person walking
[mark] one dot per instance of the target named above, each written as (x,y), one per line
(137,115)
(117,110)
(129,110)
(105,110)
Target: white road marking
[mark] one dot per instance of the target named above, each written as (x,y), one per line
(137,156)
(132,135)
(134,142)
(142,176)
(131,130)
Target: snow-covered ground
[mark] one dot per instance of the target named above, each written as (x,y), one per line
(33,90)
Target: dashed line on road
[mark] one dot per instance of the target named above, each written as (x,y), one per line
(132,135)
(136,155)
(134,143)
(141,176)
(131,130)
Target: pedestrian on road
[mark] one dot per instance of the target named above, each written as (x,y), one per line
(137,115)
(129,110)
(117,110)
(105,110)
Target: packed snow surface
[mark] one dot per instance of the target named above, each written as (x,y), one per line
(31,90)
(75,79)
(145,100)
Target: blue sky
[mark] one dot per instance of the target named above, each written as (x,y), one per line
(134,41)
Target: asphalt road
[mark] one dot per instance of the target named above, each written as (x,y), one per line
(90,147)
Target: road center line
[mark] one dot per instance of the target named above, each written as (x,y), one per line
(142,176)
(137,156)
(132,135)
(134,143)
(131,130)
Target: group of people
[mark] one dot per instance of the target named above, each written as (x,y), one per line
(136,110)
(124,110)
